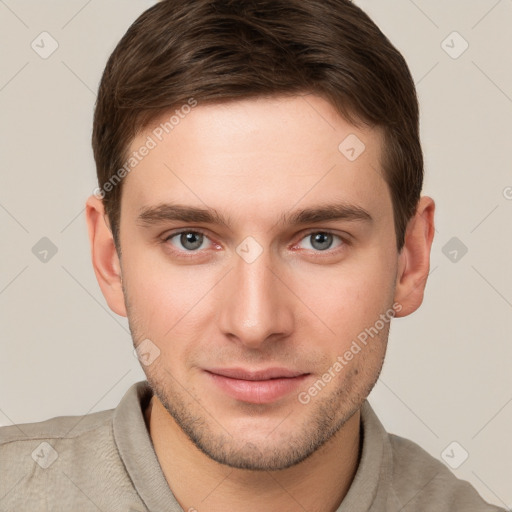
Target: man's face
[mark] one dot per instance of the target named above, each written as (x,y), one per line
(259,286)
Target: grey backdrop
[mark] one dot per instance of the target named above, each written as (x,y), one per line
(446,382)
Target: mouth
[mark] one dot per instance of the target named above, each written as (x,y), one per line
(256,386)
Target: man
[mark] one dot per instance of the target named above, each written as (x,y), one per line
(259,221)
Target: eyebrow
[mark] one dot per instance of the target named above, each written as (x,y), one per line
(160,213)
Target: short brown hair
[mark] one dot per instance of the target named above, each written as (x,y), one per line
(225,50)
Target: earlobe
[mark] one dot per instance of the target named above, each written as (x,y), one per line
(414,259)
(105,259)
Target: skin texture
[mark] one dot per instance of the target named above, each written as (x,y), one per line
(295,306)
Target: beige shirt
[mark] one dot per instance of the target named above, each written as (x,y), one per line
(105,461)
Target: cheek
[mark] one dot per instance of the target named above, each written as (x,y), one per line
(163,297)
(350,297)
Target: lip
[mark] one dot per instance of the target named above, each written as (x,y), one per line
(256,386)
(266,374)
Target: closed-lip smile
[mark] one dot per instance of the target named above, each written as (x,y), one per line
(256,386)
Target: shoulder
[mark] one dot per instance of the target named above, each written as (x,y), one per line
(64,440)
(64,431)
(421,482)
(58,460)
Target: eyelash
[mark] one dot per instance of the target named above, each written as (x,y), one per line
(187,254)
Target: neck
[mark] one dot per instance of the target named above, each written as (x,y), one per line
(318,483)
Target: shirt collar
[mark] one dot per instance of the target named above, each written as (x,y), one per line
(369,489)
(137,452)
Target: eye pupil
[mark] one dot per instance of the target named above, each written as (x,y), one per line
(191,240)
(321,241)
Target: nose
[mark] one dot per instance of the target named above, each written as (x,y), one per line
(256,307)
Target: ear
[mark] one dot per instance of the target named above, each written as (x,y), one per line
(105,260)
(414,258)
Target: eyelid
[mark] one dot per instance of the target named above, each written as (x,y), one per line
(167,237)
(329,231)
(172,234)
(345,237)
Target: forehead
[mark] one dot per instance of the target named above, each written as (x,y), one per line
(256,154)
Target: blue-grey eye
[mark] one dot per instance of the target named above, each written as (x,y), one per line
(189,240)
(320,241)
